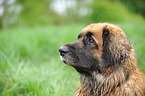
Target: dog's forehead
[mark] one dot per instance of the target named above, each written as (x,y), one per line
(96,29)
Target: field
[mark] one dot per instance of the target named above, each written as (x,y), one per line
(30,63)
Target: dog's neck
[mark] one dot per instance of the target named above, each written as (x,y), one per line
(101,84)
(98,84)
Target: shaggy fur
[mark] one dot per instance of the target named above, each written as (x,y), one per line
(106,62)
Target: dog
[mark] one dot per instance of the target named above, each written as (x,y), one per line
(106,62)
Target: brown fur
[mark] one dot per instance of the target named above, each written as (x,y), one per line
(121,77)
(130,78)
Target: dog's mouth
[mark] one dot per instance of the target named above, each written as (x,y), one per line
(63,51)
(62,59)
(67,56)
(69,60)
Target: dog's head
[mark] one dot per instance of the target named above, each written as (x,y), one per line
(98,46)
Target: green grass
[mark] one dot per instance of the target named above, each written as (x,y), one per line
(30,63)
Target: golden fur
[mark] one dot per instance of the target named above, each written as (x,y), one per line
(123,79)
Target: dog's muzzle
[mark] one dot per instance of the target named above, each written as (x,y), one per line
(63,50)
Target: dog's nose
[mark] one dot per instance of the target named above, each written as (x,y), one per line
(63,50)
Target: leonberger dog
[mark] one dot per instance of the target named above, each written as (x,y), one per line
(106,62)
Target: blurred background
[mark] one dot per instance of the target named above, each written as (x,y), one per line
(31,31)
(57,12)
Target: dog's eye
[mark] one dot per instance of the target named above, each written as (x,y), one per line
(91,40)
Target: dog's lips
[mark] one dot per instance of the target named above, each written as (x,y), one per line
(62,59)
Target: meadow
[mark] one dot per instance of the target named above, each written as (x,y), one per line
(30,63)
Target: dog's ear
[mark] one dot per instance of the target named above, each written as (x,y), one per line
(114,51)
(106,59)
(105,35)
